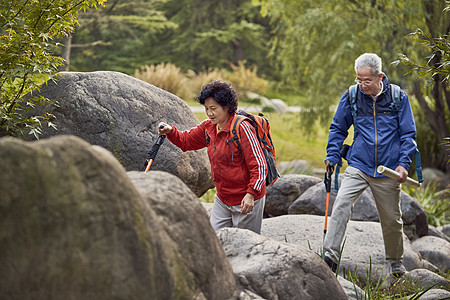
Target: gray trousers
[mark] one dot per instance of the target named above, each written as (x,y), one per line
(386,193)
(223,215)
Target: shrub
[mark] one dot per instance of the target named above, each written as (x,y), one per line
(167,77)
(246,80)
(196,81)
(434,202)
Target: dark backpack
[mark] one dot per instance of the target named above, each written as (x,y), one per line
(395,95)
(262,128)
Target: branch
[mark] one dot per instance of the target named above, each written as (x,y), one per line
(65,13)
(18,12)
(96,43)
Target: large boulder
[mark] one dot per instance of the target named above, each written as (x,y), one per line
(121,114)
(186,224)
(73,226)
(313,201)
(363,248)
(277,270)
(286,190)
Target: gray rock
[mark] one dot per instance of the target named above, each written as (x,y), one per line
(121,114)
(75,227)
(363,249)
(276,270)
(436,177)
(424,279)
(187,226)
(435,250)
(352,291)
(445,230)
(285,190)
(313,201)
(436,294)
(437,232)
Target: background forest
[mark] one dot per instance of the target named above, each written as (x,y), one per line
(302,50)
(299,51)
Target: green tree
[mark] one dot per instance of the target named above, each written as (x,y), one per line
(316,42)
(213,34)
(121,36)
(434,73)
(28,29)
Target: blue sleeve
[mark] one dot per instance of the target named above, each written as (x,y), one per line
(407,132)
(338,132)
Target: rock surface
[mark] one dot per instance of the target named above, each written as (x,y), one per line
(73,226)
(276,270)
(121,113)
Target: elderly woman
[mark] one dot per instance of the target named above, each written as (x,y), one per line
(239,176)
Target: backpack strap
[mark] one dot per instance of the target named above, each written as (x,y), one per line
(418,166)
(352,90)
(395,94)
(234,128)
(208,139)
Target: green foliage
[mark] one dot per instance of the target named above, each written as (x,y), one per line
(27,33)
(191,34)
(436,203)
(431,148)
(121,36)
(213,34)
(315,44)
(440,49)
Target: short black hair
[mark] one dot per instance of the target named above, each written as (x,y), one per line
(220,91)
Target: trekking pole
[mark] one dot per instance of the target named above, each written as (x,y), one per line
(152,153)
(327,181)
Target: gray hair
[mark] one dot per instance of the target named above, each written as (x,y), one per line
(369,60)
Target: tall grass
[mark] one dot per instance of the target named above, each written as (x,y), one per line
(187,85)
(167,77)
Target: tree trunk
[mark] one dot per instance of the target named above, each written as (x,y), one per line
(67,42)
(238,54)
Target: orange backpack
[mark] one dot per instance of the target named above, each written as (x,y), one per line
(262,128)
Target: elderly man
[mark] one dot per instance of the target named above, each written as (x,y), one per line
(385,134)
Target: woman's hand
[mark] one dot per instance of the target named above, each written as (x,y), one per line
(164,128)
(247,203)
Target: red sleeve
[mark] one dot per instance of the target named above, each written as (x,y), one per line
(254,158)
(192,139)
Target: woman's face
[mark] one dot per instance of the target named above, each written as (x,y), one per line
(217,113)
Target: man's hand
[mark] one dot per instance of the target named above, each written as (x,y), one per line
(247,203)
(403,174)
(330,167)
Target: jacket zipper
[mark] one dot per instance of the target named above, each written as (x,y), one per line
(376,137)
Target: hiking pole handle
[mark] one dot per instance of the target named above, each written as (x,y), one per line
(394,175)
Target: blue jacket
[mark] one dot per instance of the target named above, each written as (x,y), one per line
(384,136)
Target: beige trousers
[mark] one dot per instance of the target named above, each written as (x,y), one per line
(386,192)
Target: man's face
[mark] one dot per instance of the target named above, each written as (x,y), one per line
(368,83)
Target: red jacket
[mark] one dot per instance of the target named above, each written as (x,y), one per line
(232,175)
